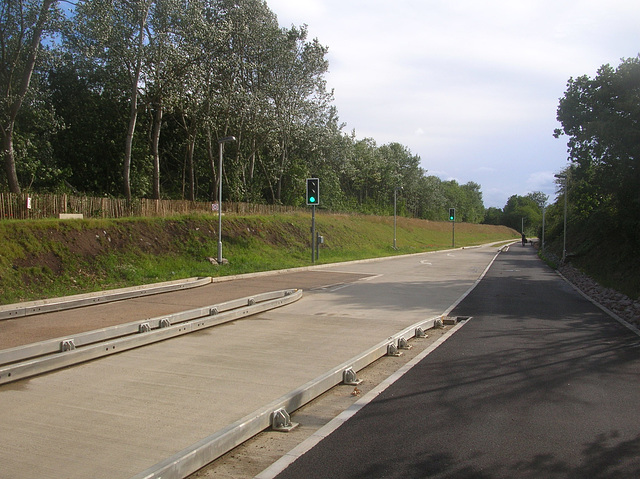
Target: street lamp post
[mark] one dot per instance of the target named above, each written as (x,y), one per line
(395,216)
(564,240)
(221,141)
(544,209)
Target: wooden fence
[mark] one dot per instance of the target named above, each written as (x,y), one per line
(38,206)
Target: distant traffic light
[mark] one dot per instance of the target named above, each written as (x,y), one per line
(452,214)
(313,191)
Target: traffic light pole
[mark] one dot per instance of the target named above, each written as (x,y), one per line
(313,200)
(313,234)
(452,218)
(453,234)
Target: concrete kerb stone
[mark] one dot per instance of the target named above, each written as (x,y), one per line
(203,452)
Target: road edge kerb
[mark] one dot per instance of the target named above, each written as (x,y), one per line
(628,325)
(285,461)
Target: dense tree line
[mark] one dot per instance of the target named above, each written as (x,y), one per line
(601,118)
(522,213)
(130,97)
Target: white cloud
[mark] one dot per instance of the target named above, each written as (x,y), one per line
(297,12)
(466,83)
(540,180)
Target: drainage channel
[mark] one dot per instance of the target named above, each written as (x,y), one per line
(33,359)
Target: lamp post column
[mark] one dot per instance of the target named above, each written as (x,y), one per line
(564,240)
(221,141)
(395,215)
(565,179)
(395,221)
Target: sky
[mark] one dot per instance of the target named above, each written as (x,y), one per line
(472,87)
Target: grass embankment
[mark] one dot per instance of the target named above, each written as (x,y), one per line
(49,258)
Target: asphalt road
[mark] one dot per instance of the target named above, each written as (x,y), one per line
(540,383)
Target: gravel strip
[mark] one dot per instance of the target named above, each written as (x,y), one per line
(620,304)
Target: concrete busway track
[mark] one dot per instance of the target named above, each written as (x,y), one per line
(193,397)
(37,358)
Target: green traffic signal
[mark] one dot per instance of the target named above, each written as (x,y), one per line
(313,191)
(452,214)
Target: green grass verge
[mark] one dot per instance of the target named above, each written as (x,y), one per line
(50,258)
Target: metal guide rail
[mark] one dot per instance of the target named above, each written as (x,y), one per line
(277,413)
(32,359)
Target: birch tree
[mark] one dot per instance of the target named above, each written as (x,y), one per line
(113,34)
(22,25)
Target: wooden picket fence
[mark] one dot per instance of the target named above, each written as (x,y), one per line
(38,206)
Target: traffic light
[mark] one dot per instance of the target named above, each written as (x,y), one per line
(452,214)
(313,191)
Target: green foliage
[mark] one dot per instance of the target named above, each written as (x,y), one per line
(493,216)
(132,96)
(600,117)
(524,209)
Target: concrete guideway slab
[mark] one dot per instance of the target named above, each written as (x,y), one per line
(26,361)
(123,414)
(31,329)
(200,454)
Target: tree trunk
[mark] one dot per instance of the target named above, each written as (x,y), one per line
(155,150)
(268,177)
(133,111)
(192,181)
(14,108)
(9,159)
(283,161)
(126,172)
